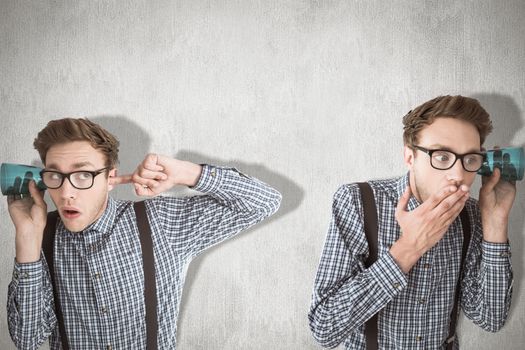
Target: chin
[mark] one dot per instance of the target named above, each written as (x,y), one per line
(74,228)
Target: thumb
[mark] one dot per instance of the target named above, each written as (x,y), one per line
(152,162)
(37,196)
(488,182)
(403,201)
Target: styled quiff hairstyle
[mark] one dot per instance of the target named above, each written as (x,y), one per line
(458,107)
(81,129)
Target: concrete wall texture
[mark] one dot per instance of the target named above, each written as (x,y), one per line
(305,95)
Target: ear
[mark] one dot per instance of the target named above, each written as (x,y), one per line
(112,173)
(408,157)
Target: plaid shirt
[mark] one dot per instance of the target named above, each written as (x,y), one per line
(99,272)
(414,309)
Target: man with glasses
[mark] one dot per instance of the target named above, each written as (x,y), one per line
(99,278)
(408,292)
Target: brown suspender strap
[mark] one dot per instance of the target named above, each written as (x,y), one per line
(148,263)
(47,247)
(371,227)
(465,223)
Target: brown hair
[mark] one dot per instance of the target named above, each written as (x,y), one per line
(459,107)
(81,129)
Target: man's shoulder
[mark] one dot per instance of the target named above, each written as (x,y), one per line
(379,187)
(382,188)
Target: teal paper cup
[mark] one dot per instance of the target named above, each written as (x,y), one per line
(15,178)
(510,161)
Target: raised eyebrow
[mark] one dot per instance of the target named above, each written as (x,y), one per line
(74,166)
(82,164)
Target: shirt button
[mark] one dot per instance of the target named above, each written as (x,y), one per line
(213,173)
(504,254)
(426,266)
(108,347)
(396,285)
(15,274)
(419,338)
(97,276)
(25,275)
(104,310)
(422,301)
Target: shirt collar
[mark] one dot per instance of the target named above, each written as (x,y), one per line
(402,183)
(99,228)
(104,222)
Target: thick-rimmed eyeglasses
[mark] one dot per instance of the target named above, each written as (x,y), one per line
(81,180)
(442,159)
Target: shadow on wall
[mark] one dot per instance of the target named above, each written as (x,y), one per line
(508,122)
(134,145)
(292,197)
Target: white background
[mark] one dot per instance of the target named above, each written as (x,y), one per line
(305,95)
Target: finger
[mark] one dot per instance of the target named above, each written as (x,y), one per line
(151,162)
(36,194)
(489,182)
(24,188)
(403,201)
(10,199)
(143,191)
(17,184)
(144,182)
(450,215)
(448,203)
(435,200)
(119,180)
(148,174)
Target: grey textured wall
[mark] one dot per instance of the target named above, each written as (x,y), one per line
(305,95)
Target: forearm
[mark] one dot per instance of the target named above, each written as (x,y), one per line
(405,255)
(487,292)
(231,203)
(238,191)
(342,309)
(30,311)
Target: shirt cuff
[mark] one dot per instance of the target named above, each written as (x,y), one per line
(495,253)
(210,179)
(388,275)
(27,273)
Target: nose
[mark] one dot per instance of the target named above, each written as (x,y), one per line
(456,173)
(67,190)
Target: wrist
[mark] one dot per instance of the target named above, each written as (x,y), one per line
(25,257)
(27,248)
(189,173)
(495,231)
(405,254)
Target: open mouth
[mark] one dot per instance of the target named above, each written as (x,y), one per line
(70,213)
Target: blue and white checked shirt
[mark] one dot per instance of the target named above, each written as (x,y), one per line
(414,309)
(99,271)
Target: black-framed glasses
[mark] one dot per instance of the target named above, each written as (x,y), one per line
(442,159)
(82,179)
